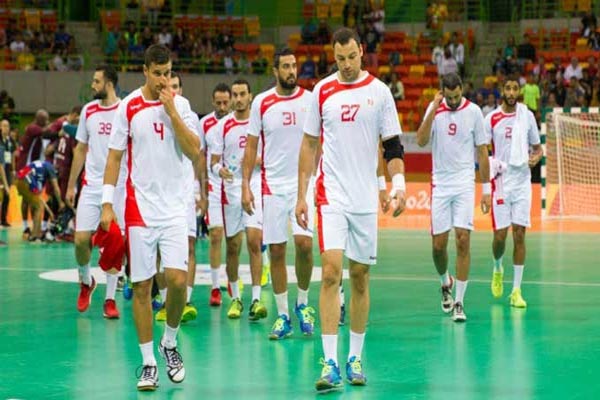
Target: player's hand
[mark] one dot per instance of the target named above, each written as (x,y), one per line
(70,197)
(534,159)
(107,217)
(437,99)
(302,213)
(398,202)
(168,102)
(202,205)
(226,174)
(486,203)
(247,199)
(384,200)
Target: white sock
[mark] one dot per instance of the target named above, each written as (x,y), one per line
(214,277)
(342,297)
(44,225)
(147,350)
(282,304)
(163,294)
(235,289)
(25,224)
(518,277)
(445,279)
(498,265)
(256,292)
(330,347)
(461,288)
(85,275)
(111,286)
(356,344)
(302,297)
(169,339)
(190,290)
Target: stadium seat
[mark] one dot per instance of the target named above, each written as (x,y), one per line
(237,24)
(322,9)
(294,40)
(33,19)
(409,59)
(180,21)
(110,18)
(402,70)
(208,23)
(383,70)
(268,50)
(405,106)
(416,70)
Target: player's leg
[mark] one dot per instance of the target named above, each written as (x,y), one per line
(189,311)
(24,214)
(161,283)
(333,234)
(501,210)
(441,223)
(516,299)
(463,262)
(254,242)
(215,235)
(37,213)
(233,247)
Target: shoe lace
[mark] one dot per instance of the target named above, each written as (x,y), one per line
(146,372)
(173,357)
(446,292)
(356,366)
(327,367)
(279,324)
(307,314)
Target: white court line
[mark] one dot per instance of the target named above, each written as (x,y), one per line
(429,279)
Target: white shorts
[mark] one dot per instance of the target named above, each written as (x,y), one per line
(278,211)
(235,219)
(214,214)
(143,243)
(513,208)
(89,208)
(452,208)
(191,217)
(356,234)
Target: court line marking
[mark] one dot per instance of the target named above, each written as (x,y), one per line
(540,283)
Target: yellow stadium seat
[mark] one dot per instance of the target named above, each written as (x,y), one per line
(416,70)
(383,70)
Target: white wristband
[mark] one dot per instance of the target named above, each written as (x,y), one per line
(398,183)
(108,194)
(216,168)
(486,188)
(381,183)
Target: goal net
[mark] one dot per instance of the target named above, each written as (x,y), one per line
(572,164)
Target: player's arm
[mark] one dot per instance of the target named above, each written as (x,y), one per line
(188,140)
(393,154)
(248,164)
(484,174)
(536,155)
(202,176)
(381,184)
(3,179)
(77,164)
(306,166)
(424,131)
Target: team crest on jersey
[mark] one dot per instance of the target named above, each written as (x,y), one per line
(370,102)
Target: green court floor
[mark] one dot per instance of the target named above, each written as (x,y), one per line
(413,351)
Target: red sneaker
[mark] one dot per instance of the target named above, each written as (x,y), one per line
(110,309)
(85,295)
(215,297)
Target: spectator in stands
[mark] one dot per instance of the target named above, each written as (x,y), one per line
(323,33)
(7,108)
(26,60)
(57,63)
(244,66)
(592,67)
(588,23)
(510,50)
(552,101)
(36,44)
(260,63)
(449,64)
(308,32)
(560,92)
(377,16)
(164,37)
(371,41)
(458,53)
(351,14)
(228,63)
(490,104)
(152,8)
(224,39)
(595,97)
(531,94)
(74,59)
(512,66)
(469,92)
(17,45)
(594,40)
(572,94)
(526,51)
(573,70)
(479,100)
(132,10)
(61,35)
(308,69)
(3,38)
(396,87)
(322,65)
(147,38)
(499,64)
(540,69)
(111,50)
(7,161)
(437,54)
(178,40)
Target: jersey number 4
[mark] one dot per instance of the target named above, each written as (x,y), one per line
(159,129)
(349,112)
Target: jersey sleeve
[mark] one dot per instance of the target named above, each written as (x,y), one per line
(216,138)
(388,119)
(312,124)
(480,136)
(190,119)
(255,124)
(487,126)
(120,129)
(82,134)
(429,110)
(533,133)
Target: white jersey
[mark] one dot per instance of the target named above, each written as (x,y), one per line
(499,126)
(156,191)
(208,134)
(94,129)
(191,181)
(230,143)
(350,118)
(278,121)
(454,136)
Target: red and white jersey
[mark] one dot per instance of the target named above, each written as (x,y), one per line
(454,136)
(156,182)
(278,120)
(94,129)
(350,118)
(208,134)
(230,143)
(499,126)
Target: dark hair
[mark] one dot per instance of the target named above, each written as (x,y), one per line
(284,51)
(451,81)
(221,87)
(157,54)
(242,82)
(110,74)
(176,75)
(344,35)
(512,78)
(76,110)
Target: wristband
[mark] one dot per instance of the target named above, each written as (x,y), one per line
(381,183)
(108,193)
(486,188)
(398,183)
(216,168)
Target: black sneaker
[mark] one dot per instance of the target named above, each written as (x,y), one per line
(147,378)
(447,300)
(175,368)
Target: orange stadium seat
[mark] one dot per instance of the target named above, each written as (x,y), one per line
(405,105)
(402,70)
(207,23)
(33,19)
(252,26)
(49,19)
(110,18)
(412,94)
(409,59)
(237,26)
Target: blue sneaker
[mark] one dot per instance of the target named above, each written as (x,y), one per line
(354,372)
(157,303)
(306,317)
(127,290)
(342,315)
(330,377)
(282,328)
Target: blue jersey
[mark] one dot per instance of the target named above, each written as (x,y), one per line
(36,174)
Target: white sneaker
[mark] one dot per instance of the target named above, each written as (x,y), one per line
(458,313)
(148,378)
(447,300)
(175,369)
